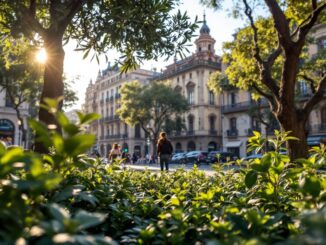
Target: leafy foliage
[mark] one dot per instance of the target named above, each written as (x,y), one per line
(67,197)
(151,106)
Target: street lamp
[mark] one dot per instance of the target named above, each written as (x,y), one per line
(19,129)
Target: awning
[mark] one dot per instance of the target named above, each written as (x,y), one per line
(233,143)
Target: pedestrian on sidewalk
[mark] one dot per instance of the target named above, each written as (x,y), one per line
(115,153)
(164,151)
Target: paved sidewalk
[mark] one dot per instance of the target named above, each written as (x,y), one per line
(172,167)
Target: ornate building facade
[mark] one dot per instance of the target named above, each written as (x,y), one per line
(238,120)
(103,97)
(190,76)
(10,126)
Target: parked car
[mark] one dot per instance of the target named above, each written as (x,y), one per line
(177,157)
(253,156)
(220,156)
(196,157)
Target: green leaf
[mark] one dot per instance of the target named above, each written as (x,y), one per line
(86,219)
(251,178)
(58,212)
(312,186)
(78,144)
(88,117)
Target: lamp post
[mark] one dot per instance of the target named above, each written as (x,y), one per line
(19,130)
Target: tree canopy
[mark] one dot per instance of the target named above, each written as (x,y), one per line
(137,29)
(151,106)
(269,56)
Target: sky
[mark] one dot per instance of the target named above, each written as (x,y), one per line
(222,27)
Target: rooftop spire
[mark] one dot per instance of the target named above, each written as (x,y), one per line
(204,29)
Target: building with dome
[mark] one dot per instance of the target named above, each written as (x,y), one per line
(190,76)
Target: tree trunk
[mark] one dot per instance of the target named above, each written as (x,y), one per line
(53,82)
(297,125)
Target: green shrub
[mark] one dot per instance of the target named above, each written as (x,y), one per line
(66,197)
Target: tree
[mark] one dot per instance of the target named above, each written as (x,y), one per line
(137,29)
(269,57)
(150,106)
(20,78)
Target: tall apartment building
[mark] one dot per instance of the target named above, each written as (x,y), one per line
(238,123)
(9,123)
(103,97)
(190,76)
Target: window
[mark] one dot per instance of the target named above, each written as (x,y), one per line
(232,98)
(255,123)
(322,44)
(199,49)
(303,88)
(137,131)
(190,93)
(212,120)
(190,75)
(209,47)
(191,96)
(118,128)
(323,115)
(233,123)
(191,120)
(211,98)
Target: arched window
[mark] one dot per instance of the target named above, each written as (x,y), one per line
(178,147)
(191,146)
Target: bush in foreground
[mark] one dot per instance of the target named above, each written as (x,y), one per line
(68,198)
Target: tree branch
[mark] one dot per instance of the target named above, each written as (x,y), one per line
(263,66)
(31,21)
(74,8)
(311,81)
(281,23)
(311,20)
(317,97)
(32,8)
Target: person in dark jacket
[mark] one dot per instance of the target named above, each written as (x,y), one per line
(164,151)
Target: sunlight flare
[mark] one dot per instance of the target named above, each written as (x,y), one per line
(41,56)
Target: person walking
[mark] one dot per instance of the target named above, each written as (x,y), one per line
(164,151)
(114,153)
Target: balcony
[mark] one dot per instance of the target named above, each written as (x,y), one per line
(192,133)
(117,136)
(187,66)
(107,99)
(243,106)
(232,133)
(111,118)
(213,132)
